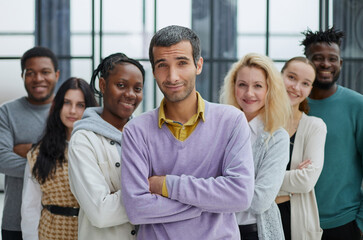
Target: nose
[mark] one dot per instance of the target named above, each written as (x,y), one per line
(326,63)
(38,77)
(73,108)
(249,91)
(130,93)
(295,86)
(173,75)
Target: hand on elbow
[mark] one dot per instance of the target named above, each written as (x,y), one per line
(304,164)
(156,184)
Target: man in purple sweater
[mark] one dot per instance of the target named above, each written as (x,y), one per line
(186,166)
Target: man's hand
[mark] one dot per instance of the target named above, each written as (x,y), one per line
(156,184)
(22,149)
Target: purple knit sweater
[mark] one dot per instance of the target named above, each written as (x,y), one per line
(210,176)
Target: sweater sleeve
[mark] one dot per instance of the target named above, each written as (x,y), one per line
(304,180)
(359,144)
(102,207)
(11,164)
(142,207)
(270,172)
(31,206)
(230,192)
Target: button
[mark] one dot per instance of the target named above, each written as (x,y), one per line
(112,142)
(117,164)
(133,232)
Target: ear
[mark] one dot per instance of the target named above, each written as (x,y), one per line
(57,74)
(199,65)
(102,85)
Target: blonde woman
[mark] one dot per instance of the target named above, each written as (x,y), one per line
(296,199)
(255,86)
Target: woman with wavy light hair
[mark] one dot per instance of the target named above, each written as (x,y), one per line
(255,86)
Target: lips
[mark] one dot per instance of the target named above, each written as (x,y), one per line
(128,105)
(72,119)
(40,88)
(293,94)
(247,101)
(325,74)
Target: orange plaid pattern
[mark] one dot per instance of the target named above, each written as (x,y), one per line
(56,191)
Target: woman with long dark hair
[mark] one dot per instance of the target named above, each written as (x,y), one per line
(95,150)
(49,209)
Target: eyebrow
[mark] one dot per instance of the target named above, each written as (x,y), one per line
(177,58)
(71,100)
(297,75)
(32,70)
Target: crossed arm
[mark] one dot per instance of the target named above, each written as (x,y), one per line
(189,196)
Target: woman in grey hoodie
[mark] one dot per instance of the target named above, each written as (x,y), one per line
(95,150)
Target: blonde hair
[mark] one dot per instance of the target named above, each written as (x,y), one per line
(277,110)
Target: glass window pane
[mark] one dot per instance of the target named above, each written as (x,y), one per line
(11,85)
(286,47)
(122,16)
(82,68)
(248,44)
(81,45)
(18,15)
(15,45)
(173,12)
(251,16)
(131,45)
(81,16)
(288,16)
(279,65)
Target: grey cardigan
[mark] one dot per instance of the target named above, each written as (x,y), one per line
(271,155)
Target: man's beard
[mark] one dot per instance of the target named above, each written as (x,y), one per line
(325,85)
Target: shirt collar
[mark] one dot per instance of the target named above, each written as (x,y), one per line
(256,126)
(200,110)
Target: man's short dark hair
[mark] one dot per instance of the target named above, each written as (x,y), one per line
(39,52)
(329,36)
(172,35)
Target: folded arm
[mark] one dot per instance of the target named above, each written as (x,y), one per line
(102,207)
(11,164)
(303,180)
(270,172)
(189,196)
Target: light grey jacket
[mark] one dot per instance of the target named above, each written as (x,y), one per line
(95,179)
(270,159)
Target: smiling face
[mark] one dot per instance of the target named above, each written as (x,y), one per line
(328,63)
(40,79)
(251,90)
(122,93)
(73,108)
(175,71)
(298,78)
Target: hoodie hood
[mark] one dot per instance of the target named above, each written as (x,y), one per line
(92,121)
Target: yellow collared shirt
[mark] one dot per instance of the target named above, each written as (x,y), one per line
(179,130)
